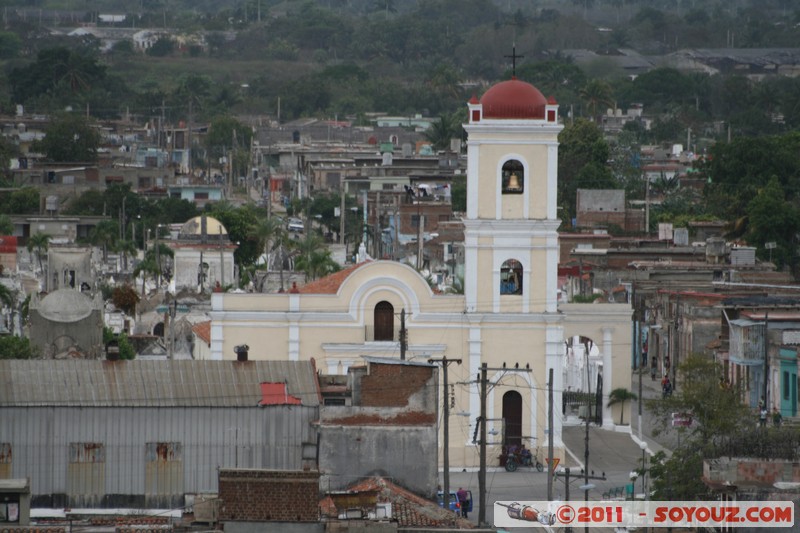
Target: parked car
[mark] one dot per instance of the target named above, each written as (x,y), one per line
(296,225)
(453,501)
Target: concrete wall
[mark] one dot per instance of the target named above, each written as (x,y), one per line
(405,454)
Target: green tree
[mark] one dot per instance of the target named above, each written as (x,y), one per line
(145,268)
(126,349)
(773,219)
(227,136)
(736,171)
(12,347)
(265,232)
(442,131)
(57,69)
(105,235)
(6,225)
(69,138)
(597,95)
(581,145)
(10,45)
(163,47)
(313,258)
(458,194)
(239,222)
(126,247)
(39,242)
(620,395)
(717,414)
(24,201)
(7,296)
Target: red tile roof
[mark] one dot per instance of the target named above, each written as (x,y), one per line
(330,284)
(408,509)
(203,331)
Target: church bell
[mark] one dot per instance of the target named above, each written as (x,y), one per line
(513,183)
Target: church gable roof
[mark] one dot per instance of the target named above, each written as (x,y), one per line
(330,284)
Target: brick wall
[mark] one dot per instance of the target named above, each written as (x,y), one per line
(392,385)
(269,495)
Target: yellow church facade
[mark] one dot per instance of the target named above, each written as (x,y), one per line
(508,318)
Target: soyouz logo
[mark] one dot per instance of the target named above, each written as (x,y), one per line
(640,514)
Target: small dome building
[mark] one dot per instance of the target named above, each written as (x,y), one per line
(67,323)
(203,255)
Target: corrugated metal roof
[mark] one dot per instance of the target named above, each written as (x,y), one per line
(151,383)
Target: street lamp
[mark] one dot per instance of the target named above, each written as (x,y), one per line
(643,446)
(354,210)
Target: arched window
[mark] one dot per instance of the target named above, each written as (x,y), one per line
(513,176)
(512,415)
(511,277)
(384,321)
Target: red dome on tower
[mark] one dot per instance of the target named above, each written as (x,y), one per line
(513,99)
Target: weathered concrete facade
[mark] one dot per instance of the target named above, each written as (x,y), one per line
(388,430)
(67,323)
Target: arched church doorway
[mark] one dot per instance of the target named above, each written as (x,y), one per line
(384,321)
(512,416)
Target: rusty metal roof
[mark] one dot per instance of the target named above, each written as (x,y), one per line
(151,383)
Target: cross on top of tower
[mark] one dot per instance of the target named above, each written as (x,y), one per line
(514,58)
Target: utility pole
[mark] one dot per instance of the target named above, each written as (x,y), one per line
(586,442)
(446,456)
(221,260)
(482,464)
(377,229)
(342,212)
(404,337)
(638,352)
(484,391)
(549,435)
(766,356)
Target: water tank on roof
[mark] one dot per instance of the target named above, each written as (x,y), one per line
(715,249)
(51,203)
(743,256)
(680,237)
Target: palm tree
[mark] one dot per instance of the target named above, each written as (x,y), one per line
(596,93)
(441,132)
(620,395)
(126,247)
(104,234)
(39,242)
(148,266)
(6,296)
(266,231)
(313,258)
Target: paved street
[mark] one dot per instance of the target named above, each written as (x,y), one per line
(612,453)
